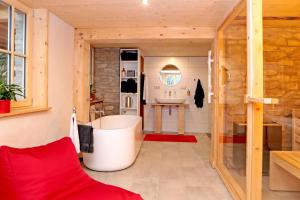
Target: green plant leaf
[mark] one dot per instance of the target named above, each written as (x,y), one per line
(10,91)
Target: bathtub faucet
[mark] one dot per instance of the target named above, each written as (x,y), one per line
(94,111)
(101,112)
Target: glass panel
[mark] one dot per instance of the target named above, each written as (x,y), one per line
(4,60)
(19,73)
(20,31)
(4,26)
(281,81)
(233,111)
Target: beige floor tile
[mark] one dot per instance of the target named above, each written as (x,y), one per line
(170,171)
(172,190)
(147,187)
(205,193)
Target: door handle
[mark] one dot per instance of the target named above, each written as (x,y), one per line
(269,101)
(209,62)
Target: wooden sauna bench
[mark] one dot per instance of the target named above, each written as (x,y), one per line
(285,170)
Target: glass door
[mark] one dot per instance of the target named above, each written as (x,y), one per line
(232,113)
(239,99)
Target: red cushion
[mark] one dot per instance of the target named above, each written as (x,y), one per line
(51,172)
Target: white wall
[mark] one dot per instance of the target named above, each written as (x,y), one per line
(196,120)
(40,128)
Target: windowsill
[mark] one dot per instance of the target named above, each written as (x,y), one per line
(24,111)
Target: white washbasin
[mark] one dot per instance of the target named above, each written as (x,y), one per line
(169,100)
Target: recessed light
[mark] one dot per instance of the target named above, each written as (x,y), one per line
(145,2)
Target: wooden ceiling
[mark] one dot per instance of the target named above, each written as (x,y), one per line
(170,47)
(132,13)
(159,13)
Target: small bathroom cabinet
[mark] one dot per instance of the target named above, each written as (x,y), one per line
(130,81)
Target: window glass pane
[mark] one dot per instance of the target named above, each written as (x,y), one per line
(20,31)
(4,60)
(4,26)
(19,73)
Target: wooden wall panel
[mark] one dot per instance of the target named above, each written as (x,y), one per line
(81,91)
(40,58)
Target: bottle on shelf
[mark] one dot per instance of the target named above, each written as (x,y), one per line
(123,73)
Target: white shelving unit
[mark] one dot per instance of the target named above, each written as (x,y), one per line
(133,65)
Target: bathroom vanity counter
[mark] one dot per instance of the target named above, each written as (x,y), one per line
(158,115)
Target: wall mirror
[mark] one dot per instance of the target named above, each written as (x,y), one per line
(170,75)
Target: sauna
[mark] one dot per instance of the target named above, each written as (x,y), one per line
(257,107)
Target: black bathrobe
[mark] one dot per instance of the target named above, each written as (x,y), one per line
(199,95)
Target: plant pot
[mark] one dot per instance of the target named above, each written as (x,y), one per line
(4,106)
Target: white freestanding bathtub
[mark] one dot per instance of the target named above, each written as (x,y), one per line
(117,141)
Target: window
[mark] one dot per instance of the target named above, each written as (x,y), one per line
(13,49)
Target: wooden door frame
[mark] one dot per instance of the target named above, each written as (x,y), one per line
(254,90)
(254,109)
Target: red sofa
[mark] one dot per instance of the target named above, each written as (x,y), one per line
(51,172)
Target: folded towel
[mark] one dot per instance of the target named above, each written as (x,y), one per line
(199,95)
(74,132)
(132,85)
(86,138)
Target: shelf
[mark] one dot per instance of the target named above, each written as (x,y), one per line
(128,93)
(129,61)
(127,77)
(128,109)
(132,71)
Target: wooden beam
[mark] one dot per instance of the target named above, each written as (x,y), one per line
(96,35)
(19,5)
(81,90)
(40,57)
(255,90)
(214,105)
(157,119)
(233,15)
(181,119)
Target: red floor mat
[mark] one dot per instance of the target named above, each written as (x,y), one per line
(170,138)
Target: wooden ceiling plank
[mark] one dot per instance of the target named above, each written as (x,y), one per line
(120,13)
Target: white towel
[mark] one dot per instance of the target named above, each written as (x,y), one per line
(74,135)
(145,92)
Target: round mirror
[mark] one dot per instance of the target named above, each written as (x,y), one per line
(170,75)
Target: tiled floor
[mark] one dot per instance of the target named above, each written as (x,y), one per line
(170,171)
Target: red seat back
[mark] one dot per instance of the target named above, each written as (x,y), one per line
(39,172)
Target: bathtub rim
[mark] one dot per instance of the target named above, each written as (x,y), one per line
(139,118)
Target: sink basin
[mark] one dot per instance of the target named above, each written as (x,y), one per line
(171,100)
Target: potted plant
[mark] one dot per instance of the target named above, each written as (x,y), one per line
(8,92)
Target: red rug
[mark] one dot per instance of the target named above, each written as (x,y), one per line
(235,139)
(170,138)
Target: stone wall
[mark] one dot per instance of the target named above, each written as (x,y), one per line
(281,76)
(107,78)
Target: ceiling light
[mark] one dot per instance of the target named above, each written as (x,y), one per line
(145,2)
